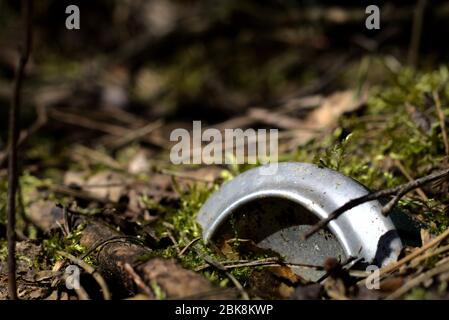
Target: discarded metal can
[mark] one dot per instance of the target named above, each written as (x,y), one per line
(275,210)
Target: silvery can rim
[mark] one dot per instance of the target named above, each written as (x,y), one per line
(363,232)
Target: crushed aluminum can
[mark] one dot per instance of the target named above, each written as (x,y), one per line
(275,210)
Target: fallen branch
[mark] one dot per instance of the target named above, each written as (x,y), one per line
(112,257)
(398,192)
(39,123)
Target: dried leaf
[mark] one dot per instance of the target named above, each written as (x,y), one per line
(46,215)
(107,185)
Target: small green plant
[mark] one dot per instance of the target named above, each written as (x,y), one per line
(184,219)
(157,290)
(70,244)
(333,156)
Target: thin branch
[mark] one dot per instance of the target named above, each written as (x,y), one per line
(398,192)
(222,268)
(80,291)
(429,255)
(417,27)
(84,122)
(418,280)
(404,171)
(392,203)
(416,253)
(441,117)
(13,169)
(268,262)
(236,283)
(137,279)
(89,269)
(188,246)
(39,123)
(136,135)
(184,175)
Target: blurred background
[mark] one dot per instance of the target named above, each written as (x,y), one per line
(210,60)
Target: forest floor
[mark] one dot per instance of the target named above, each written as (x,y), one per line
(97,188)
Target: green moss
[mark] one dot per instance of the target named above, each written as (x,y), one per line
(184,218)
(399,124)
(419,294)
(27,192)
(70,244)
(19,257)
(333,156)
(157,290)
(185,228)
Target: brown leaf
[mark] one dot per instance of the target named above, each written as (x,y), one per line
(326,116)
(74,179)
(426,236)
(286,273)
(107,185)
(309,292)
(139,163)
(45,214)
(333,107)
(266,285)
(391,284)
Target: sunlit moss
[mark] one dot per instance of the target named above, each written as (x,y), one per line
(400,123)
(70,244)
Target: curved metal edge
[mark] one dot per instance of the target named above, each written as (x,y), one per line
(362,231)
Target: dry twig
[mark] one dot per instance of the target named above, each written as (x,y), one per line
(39,123)
(268,262)
(398,193)
(137,279)
(404,171)
(417,27)
(89,269)
(13,169)
(418,280)
(222,268)
(188,246)
(394,266)
(441,117)
(428,255)
(80,291)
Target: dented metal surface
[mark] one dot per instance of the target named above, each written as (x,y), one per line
(282,206)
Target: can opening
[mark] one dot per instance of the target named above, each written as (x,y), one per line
(276,224)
